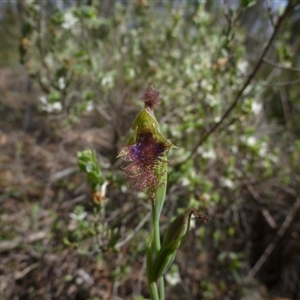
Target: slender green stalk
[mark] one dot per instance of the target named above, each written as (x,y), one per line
(156,211)
(160,192)
(156,233)
(153,291)
(150,277)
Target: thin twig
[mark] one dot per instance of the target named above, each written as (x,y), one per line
(239,94)
(132,234)
(288,220)
(268,217)
(63,173)
(278,66)
(286,109)
(20,274)
(14,243)
(269,10)
(282,83)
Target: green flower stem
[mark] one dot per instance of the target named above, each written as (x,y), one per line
(153,291)
(156,233)
(155,222)
(150,276)
(157,206)
(160,193)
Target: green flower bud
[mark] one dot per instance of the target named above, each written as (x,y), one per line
(173,238)
(88,163)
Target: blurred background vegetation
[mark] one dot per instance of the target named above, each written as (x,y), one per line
(71,76)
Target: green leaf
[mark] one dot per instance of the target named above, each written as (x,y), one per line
(88,163)
(248,3)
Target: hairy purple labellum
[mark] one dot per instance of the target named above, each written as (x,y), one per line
(147,148)
(147,157)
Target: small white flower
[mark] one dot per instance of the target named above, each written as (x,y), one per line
(49,107)
(192,224)
(251,141)
(61,83)
(78,217)
(69,20)
(185,181)
(124,188)
(107,81)
(56,106)
(217,119)
(256,107)
(234,149)
(173,278)
(211,100)
(206,85)
(243,66)
(263,149)
(43,99)
(90,106)
(210,154)
(226,182)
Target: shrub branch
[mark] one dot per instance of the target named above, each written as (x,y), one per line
(290,6)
